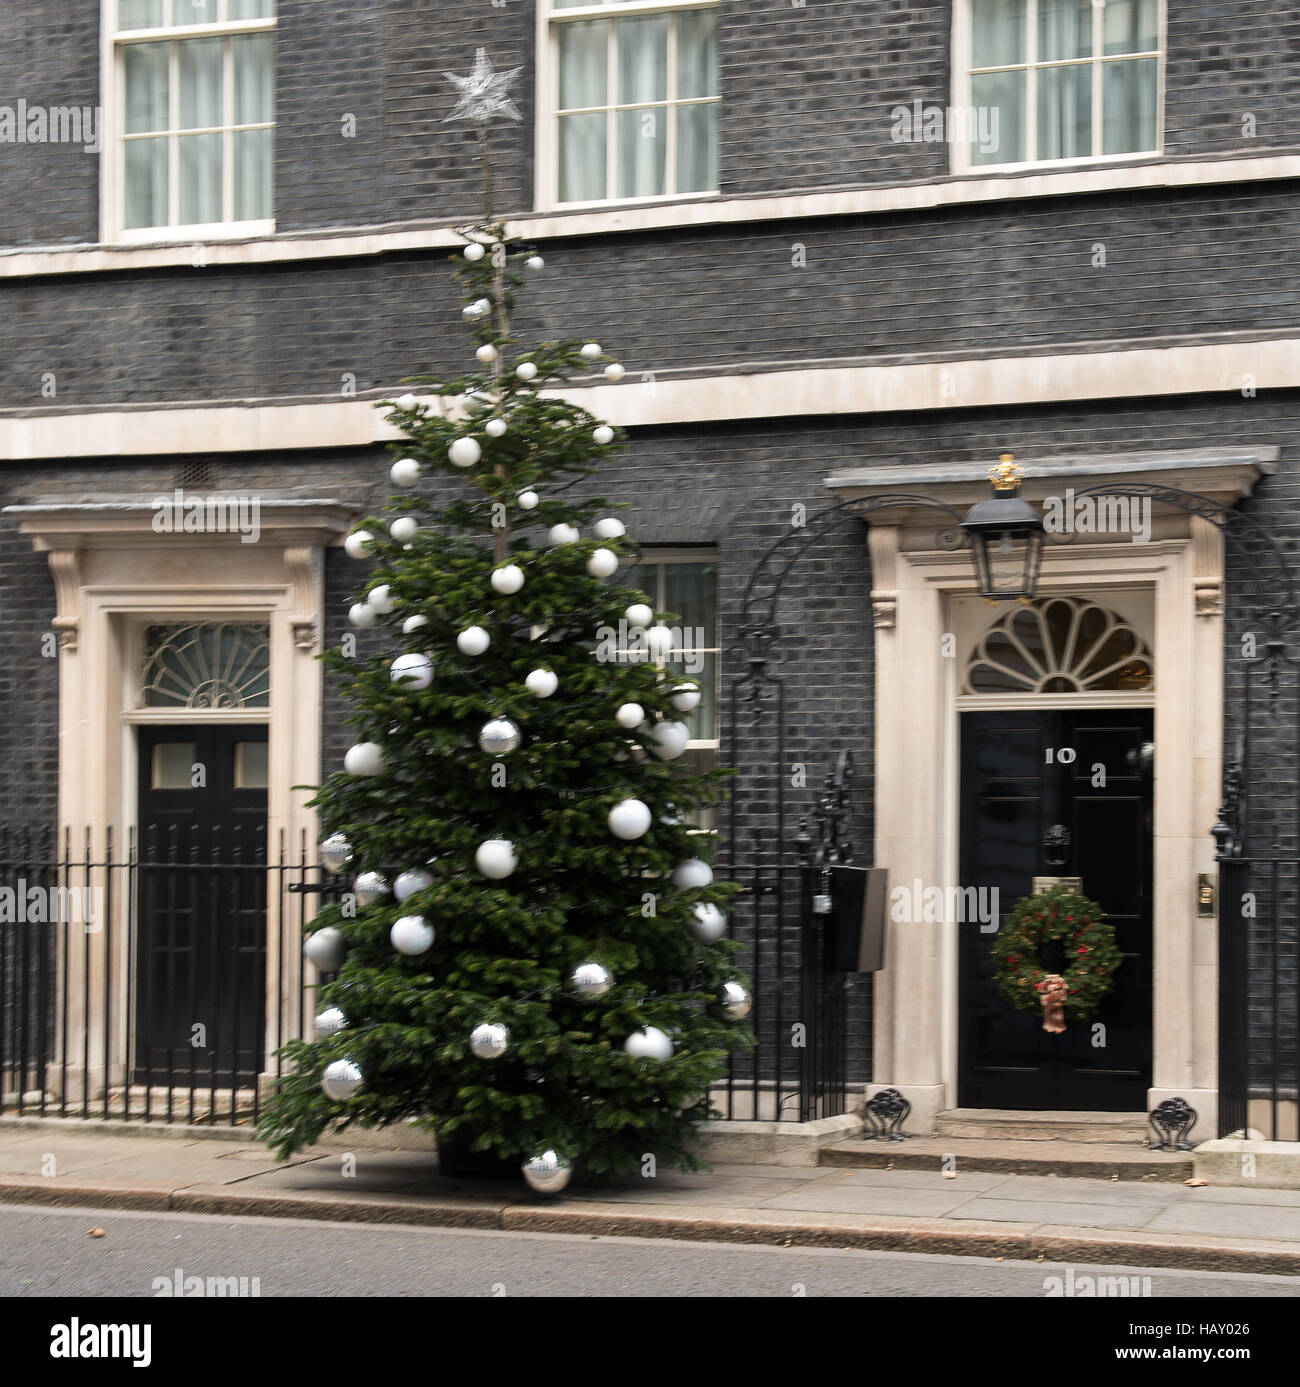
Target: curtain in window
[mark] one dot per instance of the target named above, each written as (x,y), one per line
(584,62)
(1064,93)
(999,39)
(642,132)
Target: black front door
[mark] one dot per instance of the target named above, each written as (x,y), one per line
(200,973)
(1058,794)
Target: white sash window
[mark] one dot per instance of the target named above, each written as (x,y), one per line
(1066,80)
(631,88)
(194,118)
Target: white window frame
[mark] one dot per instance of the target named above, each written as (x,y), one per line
(666,557)
(546,193)
(960,86)
(112,156)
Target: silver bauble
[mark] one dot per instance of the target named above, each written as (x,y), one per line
(591,980)
(708,923)
(330,1021)
(499,737)
(490,1040)
(409,882)
(335,852)
(735,1000)
(341,1080)
(411,935)
(325,949)
(651,1043)
(547,1172)
(369,887)
(692,874)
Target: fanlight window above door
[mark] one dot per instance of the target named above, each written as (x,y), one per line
(1060,645)
(207,665)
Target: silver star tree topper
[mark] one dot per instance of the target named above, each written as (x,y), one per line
(483,94)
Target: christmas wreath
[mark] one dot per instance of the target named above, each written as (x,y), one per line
(1092,956)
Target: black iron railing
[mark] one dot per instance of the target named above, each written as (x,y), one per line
(154,978)
(150,978)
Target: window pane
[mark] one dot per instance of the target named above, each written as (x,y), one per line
(584,61)
(702,720)
(254,90)
(997,32)
(200,81)
(195,11)
(1002,96)
(146,183)
(690,590)
(697,53)
(582,157)
(250,765)
(253,150)
(140,14)
(1129,106)
(1064,29)
(698,760)
(1065,112)
(1129,26)
(697,148)
(643,59)
(642,152)
(200,178)
(251,9)
(144,66)
(173,765)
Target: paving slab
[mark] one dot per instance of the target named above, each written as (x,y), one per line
(1095,1215)
(1054,1189)
(865,1200)
(979,1181)
(738,1192)
(1229,1220)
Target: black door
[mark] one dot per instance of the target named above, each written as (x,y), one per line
(1034,803)
(201,910)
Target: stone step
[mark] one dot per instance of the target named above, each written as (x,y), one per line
(1090,1159)
(1000,1124)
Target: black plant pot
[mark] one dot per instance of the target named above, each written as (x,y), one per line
(458,1162)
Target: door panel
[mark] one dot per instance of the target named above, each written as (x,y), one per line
(1025,813)
(201,913)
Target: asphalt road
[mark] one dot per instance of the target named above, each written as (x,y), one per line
(49,1252)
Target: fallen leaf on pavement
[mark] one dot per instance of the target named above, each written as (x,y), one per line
(95,1233)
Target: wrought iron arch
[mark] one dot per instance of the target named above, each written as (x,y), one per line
(757,633)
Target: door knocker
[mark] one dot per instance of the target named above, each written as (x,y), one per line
(1056,846)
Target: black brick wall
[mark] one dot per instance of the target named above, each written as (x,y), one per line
(807,95)
(49,56)
(991,280)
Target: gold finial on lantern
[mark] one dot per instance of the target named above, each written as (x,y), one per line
(1006,476)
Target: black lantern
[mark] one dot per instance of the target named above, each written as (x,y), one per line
(1006,534)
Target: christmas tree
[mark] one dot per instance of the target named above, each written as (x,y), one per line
(532,958)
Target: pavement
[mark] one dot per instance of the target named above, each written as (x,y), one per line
(1149,1222)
